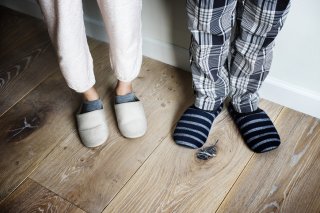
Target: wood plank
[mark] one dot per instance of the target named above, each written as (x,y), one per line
(283,181)
(26,60)
(174,180)
(90,178)
(32,197)
(18,33)
(33,127)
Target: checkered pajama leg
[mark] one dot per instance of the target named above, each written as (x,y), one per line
(210,23)
(259,23)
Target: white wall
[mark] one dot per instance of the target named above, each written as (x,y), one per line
(295,76)
(297,51)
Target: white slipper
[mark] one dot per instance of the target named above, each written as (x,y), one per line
(93,128)
(131,119)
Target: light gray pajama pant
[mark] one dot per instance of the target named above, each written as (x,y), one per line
(211,22)
(122,19)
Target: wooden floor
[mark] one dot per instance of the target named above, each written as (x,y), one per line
(44,167)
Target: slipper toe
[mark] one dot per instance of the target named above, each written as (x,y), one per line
(93,128)
(131,119)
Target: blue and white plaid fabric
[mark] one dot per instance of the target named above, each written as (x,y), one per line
(255,24)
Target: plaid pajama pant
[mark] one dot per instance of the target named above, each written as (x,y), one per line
(221,67)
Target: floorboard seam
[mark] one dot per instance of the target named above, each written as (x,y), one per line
(36,167)
(61,139)
(161,140)
(235,182)
(25,95)
(56,194)
(244,168)
(28,176)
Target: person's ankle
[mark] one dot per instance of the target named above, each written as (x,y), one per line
(123,88)
(90,95)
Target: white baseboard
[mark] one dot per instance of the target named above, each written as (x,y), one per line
(291,96)
(276,90)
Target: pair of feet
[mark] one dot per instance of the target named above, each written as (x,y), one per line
(256,128)
(92,122)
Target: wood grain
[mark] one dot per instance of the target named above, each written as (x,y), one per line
(32,197)
(19,33)
(23,59)
(38,140)
(283,181)
(33,127)
(90,178)
(173,180)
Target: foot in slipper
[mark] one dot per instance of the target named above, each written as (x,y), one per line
(131,118)
(92,127)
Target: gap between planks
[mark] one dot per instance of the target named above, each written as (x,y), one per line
(26,94)
(162,139)
(244,168)
(146,160)
(27,185)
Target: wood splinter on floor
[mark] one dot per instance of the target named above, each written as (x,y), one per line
(207,152)
(26,125)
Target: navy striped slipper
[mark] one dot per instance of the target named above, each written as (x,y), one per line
(193,128)
(257,130)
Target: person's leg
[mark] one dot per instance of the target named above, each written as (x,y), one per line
(66,29)
(122,19)
(210,23)
(259,24)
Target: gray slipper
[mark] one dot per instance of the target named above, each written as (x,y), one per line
(131,119)
(93,128)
